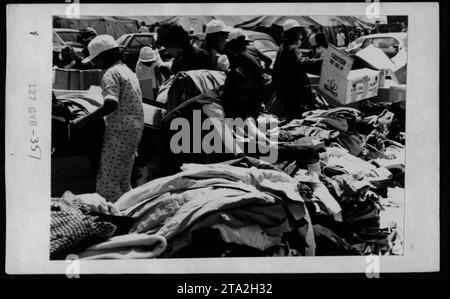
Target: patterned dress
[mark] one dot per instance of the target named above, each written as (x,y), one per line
(123,131)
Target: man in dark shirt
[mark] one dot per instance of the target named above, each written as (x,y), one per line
(289,75)
(241,56)
(186,57)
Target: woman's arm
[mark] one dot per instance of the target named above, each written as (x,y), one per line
(108,107)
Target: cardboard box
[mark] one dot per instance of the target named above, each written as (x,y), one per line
(375,58)
(340,82)
(89,78)
(61,79)
(74,80)
(66,79)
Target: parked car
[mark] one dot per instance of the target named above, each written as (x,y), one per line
(63,37)
(132,43)
(390,42)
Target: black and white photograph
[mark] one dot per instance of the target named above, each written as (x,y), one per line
(228,134)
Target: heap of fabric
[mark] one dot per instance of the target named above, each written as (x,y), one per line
(186,85)
(258,209)
(362,161)
(73,229)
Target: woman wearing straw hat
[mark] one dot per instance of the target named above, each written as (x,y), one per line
(215,41)
(124,118)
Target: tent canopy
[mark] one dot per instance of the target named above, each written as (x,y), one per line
(115,26)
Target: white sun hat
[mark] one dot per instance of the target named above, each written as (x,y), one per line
(216,26)
(147,54)
(289,24)
(100,44)
(237,33)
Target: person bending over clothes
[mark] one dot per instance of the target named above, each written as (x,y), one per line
(124,118)
(231,101)
(240,56)
(186,57)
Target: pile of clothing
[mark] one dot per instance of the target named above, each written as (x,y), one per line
(238,208)
(362,161)
(247,207)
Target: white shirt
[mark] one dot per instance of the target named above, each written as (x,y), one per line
(146,72)
(340,39)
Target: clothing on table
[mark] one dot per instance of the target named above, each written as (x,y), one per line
(116,162)
(72,228)
(188,84)
(171,206)
(192,59)
(123,131)
(219,61)
(130,246)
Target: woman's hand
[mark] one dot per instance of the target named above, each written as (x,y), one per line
(98,204)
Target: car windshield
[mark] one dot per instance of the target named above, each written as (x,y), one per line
(121,40)
(141,41)
(71,38)
(264,45)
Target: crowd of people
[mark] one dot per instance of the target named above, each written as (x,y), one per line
(302,131)
(224,49)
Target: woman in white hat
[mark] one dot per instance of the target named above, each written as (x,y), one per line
(147,67)
(289,73)
(215,41)
(124,118)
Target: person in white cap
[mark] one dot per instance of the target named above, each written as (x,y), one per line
(292,85)
(147,67)
(124,118)
(215,41)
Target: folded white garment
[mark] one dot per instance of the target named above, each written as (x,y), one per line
(131,246)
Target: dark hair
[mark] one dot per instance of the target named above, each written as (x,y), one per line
(236,45)
(143,23)
(171,35)
(109,57)
(321,40)
(291,36)
(211,41)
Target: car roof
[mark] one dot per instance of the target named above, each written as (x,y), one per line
(65,30)
(256,34)
(398,35)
